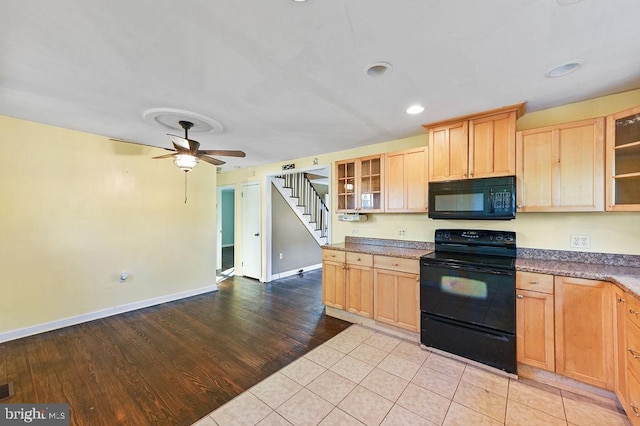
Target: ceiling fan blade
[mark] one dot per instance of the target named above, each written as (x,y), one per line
(211,160)
(164,156)
(180,143)
(226,153)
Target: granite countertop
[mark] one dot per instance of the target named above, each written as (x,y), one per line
(622,270)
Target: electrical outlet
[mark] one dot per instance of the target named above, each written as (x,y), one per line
(280,256)
(581,241)
(354,231)
(402,232)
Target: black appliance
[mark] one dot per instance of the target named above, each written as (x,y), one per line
(485,198)
(468,297)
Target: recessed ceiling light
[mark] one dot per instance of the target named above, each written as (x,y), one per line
(415,109)
(563,69)
(378,69)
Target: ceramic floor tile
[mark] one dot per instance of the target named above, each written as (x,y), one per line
(399,416)
(481,400)
(385,384)
(445,365)
(383,341)
(368,354)
(436,382)
(331,386)
(366,406)
(275,389)
(411,351)
(583,413)
(303,371)
(337,417)
(459,415)
(426,404)
(205,421)
(400,367)
(274,419)
(325,356)
(520,415)
(610,404)
(352,369)
(305,408)
(486,380)
(540,397)
(359,332)
(245,409)
(343,343)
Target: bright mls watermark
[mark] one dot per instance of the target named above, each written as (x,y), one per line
(36,414)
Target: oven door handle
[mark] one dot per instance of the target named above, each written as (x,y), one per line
(471,268)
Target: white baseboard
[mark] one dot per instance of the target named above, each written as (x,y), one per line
(295,271)
(103,313)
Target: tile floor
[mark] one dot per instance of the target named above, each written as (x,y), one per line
(364,376)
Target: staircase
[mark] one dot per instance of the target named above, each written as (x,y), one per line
(305,201)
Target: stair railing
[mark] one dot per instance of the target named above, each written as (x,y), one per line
(308,199)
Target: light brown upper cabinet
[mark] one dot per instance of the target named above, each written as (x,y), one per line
(623,160)
(474,146)
(406,180)
(360,184)
(561,167)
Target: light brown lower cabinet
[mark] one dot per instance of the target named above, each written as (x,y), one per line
(620,345)
(535,333)
(584,330)
(628,385)
(333,278)
(359,284)
(396,291)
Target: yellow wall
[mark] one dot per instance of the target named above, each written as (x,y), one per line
(610,232)
(77,209)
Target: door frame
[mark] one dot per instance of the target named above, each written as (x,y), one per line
(219,209)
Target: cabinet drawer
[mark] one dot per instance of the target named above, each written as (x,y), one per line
(632,348)
(633,386)
(534,281)
(633,310)
(333,255)
(360,259)
(411,266)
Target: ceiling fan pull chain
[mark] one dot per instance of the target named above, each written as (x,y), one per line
(185,187)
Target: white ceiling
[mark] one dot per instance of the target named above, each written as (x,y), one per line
(288,79)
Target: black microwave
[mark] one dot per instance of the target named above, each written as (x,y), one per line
(484,198)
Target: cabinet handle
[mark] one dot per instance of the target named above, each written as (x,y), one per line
(632,311)
(620,299)
(633,353)
(635,410)
(519,296)
(395,264)
(533,282)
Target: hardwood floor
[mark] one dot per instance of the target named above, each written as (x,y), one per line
(174,363)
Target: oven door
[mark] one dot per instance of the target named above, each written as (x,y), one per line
(470,294)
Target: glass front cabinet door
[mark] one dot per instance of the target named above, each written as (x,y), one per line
(623,161)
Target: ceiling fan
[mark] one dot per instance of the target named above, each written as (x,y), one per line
(187,153)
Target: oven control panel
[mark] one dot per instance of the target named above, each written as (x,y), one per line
(470,236)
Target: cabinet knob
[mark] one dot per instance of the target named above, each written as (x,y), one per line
(358,259)
(635,410)
(519,206)
(519,296)
(533,282)
(633,353)
(632,311)
(620,299)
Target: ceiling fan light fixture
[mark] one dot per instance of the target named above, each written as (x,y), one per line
(185,162)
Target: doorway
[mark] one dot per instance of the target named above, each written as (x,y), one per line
(225,266)
(251,235)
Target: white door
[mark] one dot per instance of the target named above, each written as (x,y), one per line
(251,236)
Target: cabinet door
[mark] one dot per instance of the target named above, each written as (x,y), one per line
(384,298)
(408,286)
(584,330)
(619,346)
(448,151)
(406,181)
(333,284)
(492,145)
(535,329)
(360,290)
(346,185)
(623,160)
(370,183)
(561,168)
